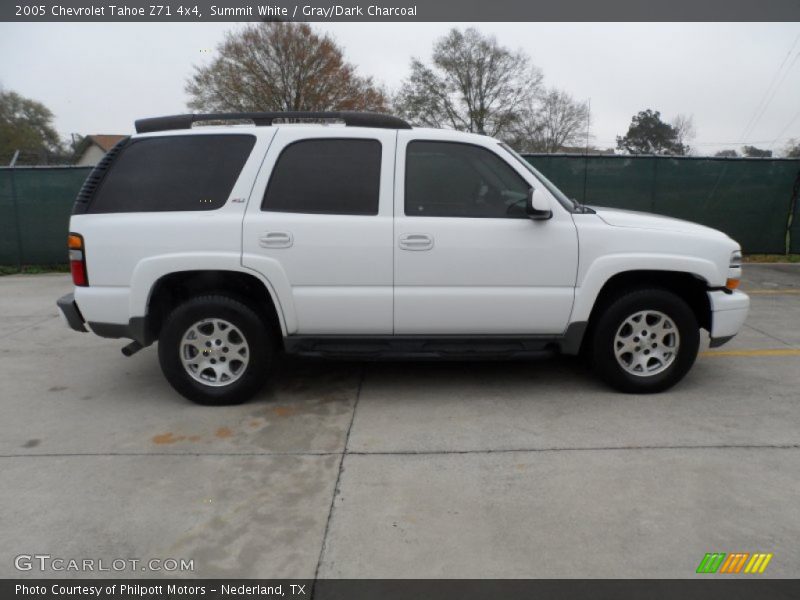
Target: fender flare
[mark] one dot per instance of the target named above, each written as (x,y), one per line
(150,270)
(600,271)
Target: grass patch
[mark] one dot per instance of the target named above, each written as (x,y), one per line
(33,269)
(772,258)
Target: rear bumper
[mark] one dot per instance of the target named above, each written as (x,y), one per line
(728,313)
(70,312)
(136,328)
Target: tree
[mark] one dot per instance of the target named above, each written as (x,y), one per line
(550,122)
(792,149)
(648,134)
(685,130)
(753,152)
(279,66)
(26,125)
(727,154)
(471,84)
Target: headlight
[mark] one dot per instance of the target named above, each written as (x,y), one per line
(734,270)
(736,259)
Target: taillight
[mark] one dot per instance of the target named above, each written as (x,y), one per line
(77,259)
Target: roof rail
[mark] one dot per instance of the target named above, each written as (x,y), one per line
(351,119)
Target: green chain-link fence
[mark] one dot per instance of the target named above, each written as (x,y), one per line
(752,200)
(35,204)
(749,199)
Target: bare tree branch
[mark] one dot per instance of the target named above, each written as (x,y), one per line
(472,84)
(685,129)
(550,122)
(278,66)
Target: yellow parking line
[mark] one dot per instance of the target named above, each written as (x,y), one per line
(787,291)
(765,352)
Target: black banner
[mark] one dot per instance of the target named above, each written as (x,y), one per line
(398,10)
(711,588)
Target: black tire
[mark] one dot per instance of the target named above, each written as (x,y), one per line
(256,334)
(611,318)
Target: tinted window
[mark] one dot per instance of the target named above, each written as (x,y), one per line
(331,176)
(445,179)
(190,172)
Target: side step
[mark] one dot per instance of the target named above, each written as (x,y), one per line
(452,347)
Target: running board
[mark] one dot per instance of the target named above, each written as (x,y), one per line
(453,347)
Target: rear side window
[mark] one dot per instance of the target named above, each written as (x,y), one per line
(329,176)
(190,172)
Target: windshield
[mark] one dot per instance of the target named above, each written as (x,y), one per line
(566,202)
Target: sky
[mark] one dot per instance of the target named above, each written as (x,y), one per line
(739,81)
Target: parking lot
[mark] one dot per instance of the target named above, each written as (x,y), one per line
(400,469)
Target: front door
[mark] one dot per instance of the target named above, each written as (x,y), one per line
(467,259)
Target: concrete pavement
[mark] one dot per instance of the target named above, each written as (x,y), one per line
(399,469)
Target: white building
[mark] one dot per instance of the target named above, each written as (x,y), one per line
(93,147)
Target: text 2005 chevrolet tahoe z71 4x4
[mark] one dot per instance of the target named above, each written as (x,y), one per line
(229,243)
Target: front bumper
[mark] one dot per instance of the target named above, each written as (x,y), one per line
(728,313)
(71,313)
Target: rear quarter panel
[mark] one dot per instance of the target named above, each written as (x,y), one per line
(126,253)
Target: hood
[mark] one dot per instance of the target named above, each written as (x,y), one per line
(641,220)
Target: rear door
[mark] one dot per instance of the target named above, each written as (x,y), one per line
(319,227)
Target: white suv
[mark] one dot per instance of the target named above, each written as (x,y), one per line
(372,239)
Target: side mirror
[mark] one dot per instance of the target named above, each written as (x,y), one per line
(538,206)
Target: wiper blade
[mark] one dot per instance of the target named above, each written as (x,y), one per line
(582,209)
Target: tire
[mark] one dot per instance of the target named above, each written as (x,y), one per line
(221,330)
(619,353)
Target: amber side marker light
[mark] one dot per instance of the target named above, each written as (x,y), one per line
(732,284)
(77,260)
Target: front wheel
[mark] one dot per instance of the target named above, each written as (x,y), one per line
(215,350)
(645,341)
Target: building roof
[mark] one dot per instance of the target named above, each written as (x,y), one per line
(104,142)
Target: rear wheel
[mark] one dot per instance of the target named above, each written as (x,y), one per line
(215,350)
(645,341)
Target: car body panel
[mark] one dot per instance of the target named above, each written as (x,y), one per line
(482,276)
(337,268)
(349,275)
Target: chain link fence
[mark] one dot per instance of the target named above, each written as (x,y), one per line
(755,201)
(35,205)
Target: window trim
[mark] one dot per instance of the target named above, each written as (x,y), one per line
(275,164)
(457,143)
(552,188)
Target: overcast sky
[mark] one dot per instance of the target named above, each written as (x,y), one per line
(98,78)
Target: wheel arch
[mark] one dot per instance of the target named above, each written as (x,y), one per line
(173,288)
(690,287)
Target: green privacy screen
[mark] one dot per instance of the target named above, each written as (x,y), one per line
(35,204)
(794,232)
(749,199)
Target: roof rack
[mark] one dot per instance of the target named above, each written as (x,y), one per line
(351,119)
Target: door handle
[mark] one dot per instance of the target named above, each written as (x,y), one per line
(276,239)
(416,241)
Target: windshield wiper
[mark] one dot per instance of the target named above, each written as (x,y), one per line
(582,209)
